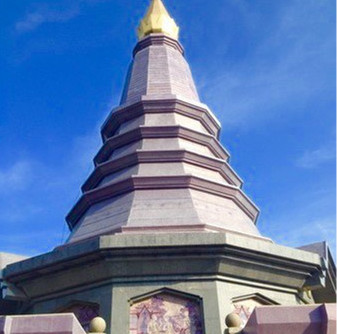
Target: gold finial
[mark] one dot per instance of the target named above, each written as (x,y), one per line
(97,326)
(158,20)
(233,322)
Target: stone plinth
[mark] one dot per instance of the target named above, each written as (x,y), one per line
(41,324)
(212,269)
(308,319)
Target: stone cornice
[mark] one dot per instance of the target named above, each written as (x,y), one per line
(111,166)
(162,182)
(123,114)
(195,228)
(175,131)
(158,39)
(222,254)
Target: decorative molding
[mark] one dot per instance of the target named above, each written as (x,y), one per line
(185,229)
(257,297)
(175,131)
(223,258)
(165,290)
(158,39)
(123,114)
(112,166)
(73,303)
(162,182)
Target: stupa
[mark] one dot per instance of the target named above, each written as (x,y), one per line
(163,238)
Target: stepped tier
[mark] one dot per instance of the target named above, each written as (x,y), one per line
(161,167)
(159,68)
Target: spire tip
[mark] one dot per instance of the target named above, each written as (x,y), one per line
(158,20)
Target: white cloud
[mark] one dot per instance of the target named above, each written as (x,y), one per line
(39,195)
(306,232)
(73,171)
(22,242)
(282,74)
(52,12)
(14,210)
(16,177)
(302,218)
(309,231)
(44,15)
(315,158)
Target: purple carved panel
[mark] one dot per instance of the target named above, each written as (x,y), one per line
(165,313)
(83,312)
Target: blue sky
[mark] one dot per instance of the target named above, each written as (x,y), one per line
(265,68)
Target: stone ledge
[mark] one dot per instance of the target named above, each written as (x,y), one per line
(171,104)
(112,166)
(121,241)
(161,182)
(175,131)
(175,256)
(158,39)
(41,324)
(308,319)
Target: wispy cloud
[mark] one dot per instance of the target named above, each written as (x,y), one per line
(307,232)
(16,211)
(306,217)
(280,76)
(52,12)
(40,193)
(44,15)
(22,242)
(82,150)
(315,158)
(16,177)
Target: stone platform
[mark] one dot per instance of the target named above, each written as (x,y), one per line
(216,271)
(309,319)
(41,324)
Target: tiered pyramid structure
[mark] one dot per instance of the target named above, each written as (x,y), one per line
(161,167)
(163,238)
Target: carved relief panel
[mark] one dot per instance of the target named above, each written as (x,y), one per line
(84,312)
(166,313)
(244,305)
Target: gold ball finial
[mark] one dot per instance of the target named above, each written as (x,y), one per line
(233,320)
(97,325)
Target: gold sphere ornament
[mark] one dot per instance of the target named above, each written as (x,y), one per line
(233,320)
(97,325)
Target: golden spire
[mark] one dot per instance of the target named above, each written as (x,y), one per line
(158,20)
